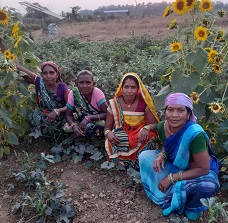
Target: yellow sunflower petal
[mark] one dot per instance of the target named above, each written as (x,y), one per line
(175,47)
(180,7)
(201,33)
(205,5)
(4,17)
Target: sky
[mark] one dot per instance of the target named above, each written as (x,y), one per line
(58,6)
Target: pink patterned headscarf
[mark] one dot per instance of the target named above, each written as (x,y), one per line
(54,66)
(181,99)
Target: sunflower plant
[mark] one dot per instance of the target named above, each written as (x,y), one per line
(196,62)
(15,97)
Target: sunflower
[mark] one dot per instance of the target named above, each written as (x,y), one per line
(195,97)
(12,57)
(218,59)
(217,68)
(213,140)
(211,56)
(4,17)
(15,30)
(221,13)
(7,54)
(206,23)
(173,24)
(191,4)
(180,7)
(223,169)
(206,127)
(214,107)
(201,33)
(18,40)
(175,47)
(205,5)
(222,108)
(167,11)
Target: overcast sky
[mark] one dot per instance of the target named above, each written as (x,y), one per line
(57,6)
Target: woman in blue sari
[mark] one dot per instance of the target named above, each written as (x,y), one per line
(186,169)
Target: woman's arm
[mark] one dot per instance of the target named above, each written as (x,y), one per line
(30,77)
(151,119)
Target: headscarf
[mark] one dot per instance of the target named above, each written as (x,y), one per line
(142,90)
(54,66)
(181,99)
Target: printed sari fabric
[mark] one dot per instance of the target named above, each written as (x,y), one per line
(47,101)
(83,108)
(129,148)
(183,197)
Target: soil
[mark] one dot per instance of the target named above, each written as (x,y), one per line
(101,196)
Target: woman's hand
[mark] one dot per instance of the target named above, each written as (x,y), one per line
(158,163)
(113,138)
(83,124)
(51,117)
(164,184)
(78,131)
(143,135)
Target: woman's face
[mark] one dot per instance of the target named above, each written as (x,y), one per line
(85,84)
(49,75)
(176,116)
(129,89)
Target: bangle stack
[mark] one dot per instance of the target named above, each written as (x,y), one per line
(163,154)
(87,118)
(148,127)
(57,112)
(171,178)
(106,132)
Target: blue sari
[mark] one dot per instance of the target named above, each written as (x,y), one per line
(183,197)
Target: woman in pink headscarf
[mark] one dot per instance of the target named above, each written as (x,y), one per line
(185,170)
(51,95)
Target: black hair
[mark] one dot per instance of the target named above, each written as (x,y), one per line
(84,72)
(131,77)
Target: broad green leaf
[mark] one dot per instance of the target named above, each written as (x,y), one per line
(7,79)
(199,110)
(12,138)
(223,126)
(15,99)
(22,89)
(1,152)
(107,165)
(6,150)
(4,118)
(77,158)
(97,156)
(198,60)
(159,99)
(89,164)
(185,84)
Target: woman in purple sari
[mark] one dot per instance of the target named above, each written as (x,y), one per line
(52,94)
(186,169)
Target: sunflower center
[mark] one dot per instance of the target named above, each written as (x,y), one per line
(206,5)
(215,107)
(201,33)
(189,2)
(176,47)
(2,16)
(180,5)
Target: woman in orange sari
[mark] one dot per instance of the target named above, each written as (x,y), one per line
(130,123)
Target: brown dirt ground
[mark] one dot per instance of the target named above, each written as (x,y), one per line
(100,196)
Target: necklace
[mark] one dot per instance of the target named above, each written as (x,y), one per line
(131,103)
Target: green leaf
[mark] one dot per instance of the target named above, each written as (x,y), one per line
(185,84)
(77,158)
(107,165)
(1,152)
(97,156)
(6,150)
(223,126)
(89,164)
(22,89)
(4,118)
(12,138)
(159,99)
(198,60)
(7,79)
